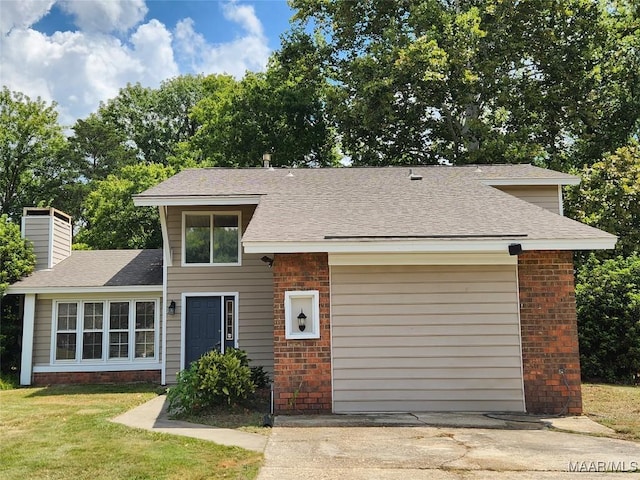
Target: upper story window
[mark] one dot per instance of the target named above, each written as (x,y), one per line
(211,238)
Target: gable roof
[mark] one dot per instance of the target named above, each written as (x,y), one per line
(98,271)
(383,209)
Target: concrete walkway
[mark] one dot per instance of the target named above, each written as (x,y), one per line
(153,416)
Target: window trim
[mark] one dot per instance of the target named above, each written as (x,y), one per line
(211,214)
(105,360)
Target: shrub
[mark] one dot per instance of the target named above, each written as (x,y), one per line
(608,307)
(260,377)
(214,379)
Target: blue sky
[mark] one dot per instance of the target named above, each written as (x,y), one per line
(80,52)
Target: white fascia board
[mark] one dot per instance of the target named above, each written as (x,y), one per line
(79,290)
(530,181)
(190,200)
(436,246)
(490,258)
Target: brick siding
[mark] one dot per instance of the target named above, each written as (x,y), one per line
(302,368)
(67,378)
(549,332)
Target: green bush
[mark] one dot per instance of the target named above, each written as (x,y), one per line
(260,377)
(608,306)
(213,380)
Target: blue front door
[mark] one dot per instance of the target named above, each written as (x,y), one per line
(203,328)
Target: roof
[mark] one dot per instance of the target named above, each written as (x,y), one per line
(382,209)
(98,270)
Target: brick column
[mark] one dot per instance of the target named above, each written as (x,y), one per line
(549,332)
(302,368)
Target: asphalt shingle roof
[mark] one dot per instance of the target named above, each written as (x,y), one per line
(311,205)
(100,268)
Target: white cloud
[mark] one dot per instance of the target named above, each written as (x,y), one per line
(248,52)
(22,13)
(105,15)
(79,69)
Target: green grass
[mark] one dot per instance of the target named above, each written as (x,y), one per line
(615,406)
(8,381)
(64,432)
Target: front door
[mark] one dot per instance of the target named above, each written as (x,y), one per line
(204,327)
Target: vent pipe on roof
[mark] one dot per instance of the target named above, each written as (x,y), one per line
(266,160)
(414,176)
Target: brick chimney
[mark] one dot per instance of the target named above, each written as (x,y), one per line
(50,231)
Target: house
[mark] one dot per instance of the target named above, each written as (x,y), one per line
(363,289)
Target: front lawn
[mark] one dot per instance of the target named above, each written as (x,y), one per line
(64,432)
(615,406)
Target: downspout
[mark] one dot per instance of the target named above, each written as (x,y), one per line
(166,262)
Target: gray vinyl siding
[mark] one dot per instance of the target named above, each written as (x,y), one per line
(545,196)
(61,240)
(42,332)
(425,338)
(253,281)
(36,230)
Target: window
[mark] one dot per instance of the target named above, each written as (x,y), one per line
(67,319)
(212,238)
(92,333)
(145,334)
(102,331)
(119,330)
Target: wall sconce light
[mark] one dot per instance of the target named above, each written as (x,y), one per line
(515,249)
(172,308)
(267,260)
(302,321)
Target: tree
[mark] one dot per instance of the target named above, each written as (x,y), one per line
(113,222)
(608,298)
(482,81)
(31,170)
(154,121)
(609,198)
(16,260)
(16,254)
(274,112)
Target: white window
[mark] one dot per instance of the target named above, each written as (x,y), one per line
(105,331)
(211,238)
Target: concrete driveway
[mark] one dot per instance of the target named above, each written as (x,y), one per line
(416,447)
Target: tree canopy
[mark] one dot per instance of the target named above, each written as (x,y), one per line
(478,81)
(16,254)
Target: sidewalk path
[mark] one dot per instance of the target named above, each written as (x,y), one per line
(153,416)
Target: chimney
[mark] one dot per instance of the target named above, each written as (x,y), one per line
(50,232)
(266,160)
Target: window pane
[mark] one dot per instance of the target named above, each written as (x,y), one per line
(145,342)
(225,239)
(92,346)
(145,315)
(118,345)
(65,346)
(119,316)
(67,316)
(197,238)
(93,316)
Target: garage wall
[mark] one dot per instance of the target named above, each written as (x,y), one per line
(426,338)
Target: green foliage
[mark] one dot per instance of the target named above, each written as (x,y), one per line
(609,198)
(112,220)
(608,298)
(476,81)
(215,379)
(16,254)
(31,170)
(260,377)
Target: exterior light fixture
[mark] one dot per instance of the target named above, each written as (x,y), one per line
(172,308)
(302,321)
(267,260)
